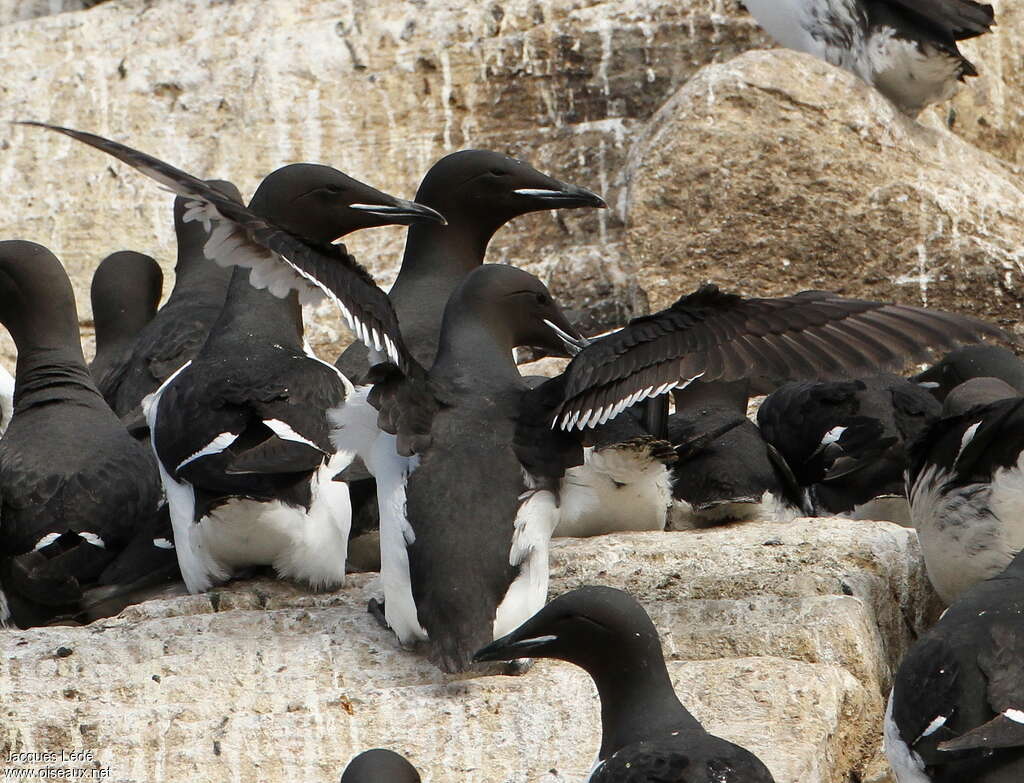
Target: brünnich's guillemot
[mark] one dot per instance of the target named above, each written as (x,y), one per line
(646,732)
(956,710)
(380,766)
(708,333)
(907,49)
(846,442)
(965,482)
(125,293)
(241,431)
(725,471)
(178,329)
(74,483)
(478,191)
(972,361)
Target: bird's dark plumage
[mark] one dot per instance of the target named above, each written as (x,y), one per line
(956,711)
(125,293)
(648,736)
(178,329)
(380,766)
(74,483)
(972,361)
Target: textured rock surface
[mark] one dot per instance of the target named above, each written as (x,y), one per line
(384,88)
(774,640)
(380,89)
(769,183)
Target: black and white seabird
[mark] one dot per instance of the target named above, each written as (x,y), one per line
(972,361)
(478,192)
(474,381)
(380,766)
(73,482)
(965,482)
(846,442)
(725,471)
(179,328)
(647,735)
(956,710)
(125,293)
(241,431)
(907,49)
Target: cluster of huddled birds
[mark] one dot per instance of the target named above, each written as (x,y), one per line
(206,439)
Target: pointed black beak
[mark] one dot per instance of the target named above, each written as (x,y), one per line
(564,196)
(401,212)
(513,646)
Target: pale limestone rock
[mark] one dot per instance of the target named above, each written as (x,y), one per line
(776,172)
(380,89)
(260,681)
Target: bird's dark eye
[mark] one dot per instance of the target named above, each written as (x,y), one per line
(542,299)
(498,172)
(334,190)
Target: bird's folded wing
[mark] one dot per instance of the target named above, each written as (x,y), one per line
(280,261)
(718,336)
(406,403)
(958,19)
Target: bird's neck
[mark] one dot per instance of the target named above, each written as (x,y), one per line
(638,702)
(256,314)
(198,280)
(475,348)
(436,259)
(47,374)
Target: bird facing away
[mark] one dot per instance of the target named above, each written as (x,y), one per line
(965,482)
(956,710)
(907,49)
(647,735)
(473,381)
(125,293)
(178,329)
(380,766)
(74,484)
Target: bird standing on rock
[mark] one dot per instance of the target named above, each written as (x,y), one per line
(74,484)
(647,735)
(473,409)
(956,710)
(966,485)
(907,49)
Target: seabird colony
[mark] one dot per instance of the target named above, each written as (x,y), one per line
(206,439)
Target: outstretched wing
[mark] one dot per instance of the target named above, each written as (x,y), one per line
(280,261)
(717,336)
(958,19)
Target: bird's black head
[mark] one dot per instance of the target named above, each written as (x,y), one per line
(322,204)
(125,293)
(975,392)
(594,627)
(972,361)
(517,305)
(484,188)
(37,304)
(380,766)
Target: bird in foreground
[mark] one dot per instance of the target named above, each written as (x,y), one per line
(972,361)
(380,766)
(241,431)
(965,482)
(125,293)
(179,328)
(846,442)
(907,49)
(647,735)
(708,333)
(74,485)
(956,710)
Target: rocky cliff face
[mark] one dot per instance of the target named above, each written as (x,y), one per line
(767,172)
(382,89)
